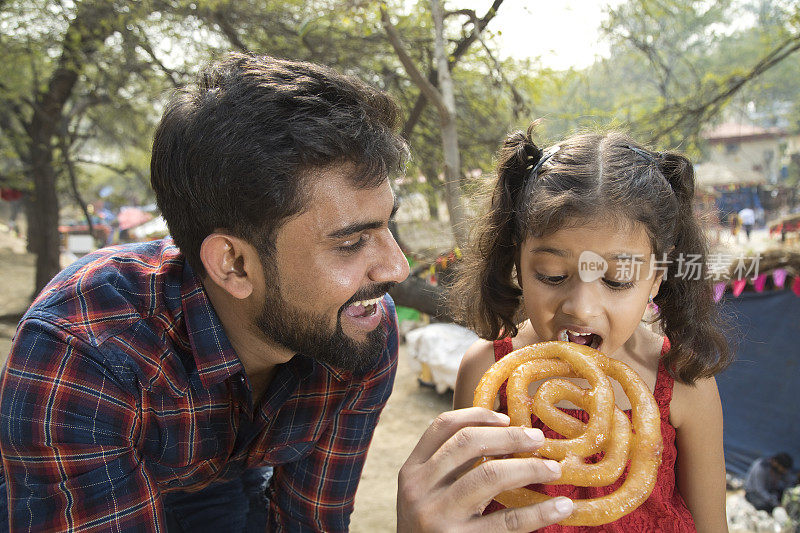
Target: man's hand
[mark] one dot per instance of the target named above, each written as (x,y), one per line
(439,490)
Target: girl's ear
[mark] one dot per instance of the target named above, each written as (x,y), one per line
(517,268)
(659,277)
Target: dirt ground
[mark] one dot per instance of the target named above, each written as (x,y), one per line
(410,410)
(408,414)
(16,286)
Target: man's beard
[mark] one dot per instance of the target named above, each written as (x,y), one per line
(308,333)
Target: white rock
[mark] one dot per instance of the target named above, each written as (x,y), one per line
(743,517)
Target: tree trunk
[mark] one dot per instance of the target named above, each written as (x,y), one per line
(444,100)
(433,76)
(91,25)
(418,294)
(33,244)
(452,156)
(45,213)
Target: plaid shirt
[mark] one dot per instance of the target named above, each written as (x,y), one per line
(121,385)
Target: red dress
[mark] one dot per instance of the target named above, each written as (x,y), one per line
(664,510)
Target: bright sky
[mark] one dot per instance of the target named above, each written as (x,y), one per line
(561,33)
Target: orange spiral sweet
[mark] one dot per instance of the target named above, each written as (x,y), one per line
(608,430)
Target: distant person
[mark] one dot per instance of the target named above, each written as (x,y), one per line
(14,198)
(606,195)
(748,218)
(766,480)
(735,222)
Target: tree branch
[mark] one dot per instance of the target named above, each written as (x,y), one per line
(693,116)
(218,17)
(425,86)
(73,178)
(520,104)
(470,13)
(433,76)
(144,44)
(122,171)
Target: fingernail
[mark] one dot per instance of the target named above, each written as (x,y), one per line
(535,435)
(564,505)
(554,466)
(503,418)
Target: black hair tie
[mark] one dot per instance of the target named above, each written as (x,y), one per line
(547,154)
(644,153)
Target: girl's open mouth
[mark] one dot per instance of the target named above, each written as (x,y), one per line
(592,340)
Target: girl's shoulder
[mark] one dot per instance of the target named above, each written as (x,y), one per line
(693,403)
(475,362)
(479,355)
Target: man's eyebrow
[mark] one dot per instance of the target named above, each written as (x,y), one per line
(357,227)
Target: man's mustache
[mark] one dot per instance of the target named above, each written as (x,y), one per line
(368,293)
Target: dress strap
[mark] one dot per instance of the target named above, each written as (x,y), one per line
(502,348)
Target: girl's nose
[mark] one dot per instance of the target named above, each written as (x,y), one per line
(582,301)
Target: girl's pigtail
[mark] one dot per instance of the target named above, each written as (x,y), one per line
(688,313)
(486,296)
(680,174)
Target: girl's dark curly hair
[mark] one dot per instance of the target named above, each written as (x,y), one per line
(595,176)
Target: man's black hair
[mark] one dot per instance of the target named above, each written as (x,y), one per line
(235,151)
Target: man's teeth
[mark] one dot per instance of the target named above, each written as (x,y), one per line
(365,303)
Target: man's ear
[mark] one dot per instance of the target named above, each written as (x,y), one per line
(230,263)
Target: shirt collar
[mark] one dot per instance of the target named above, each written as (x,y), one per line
(213,353)
(339,375)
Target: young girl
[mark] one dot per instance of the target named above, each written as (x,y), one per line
(597,200)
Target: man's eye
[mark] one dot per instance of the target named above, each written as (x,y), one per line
(353,245)
(550,280)
(618,285)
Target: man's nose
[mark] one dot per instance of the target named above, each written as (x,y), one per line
(390,264)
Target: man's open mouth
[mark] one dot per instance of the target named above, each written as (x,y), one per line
(592,340)
(363,308)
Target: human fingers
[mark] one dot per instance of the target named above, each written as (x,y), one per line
(425,505)
(460,452)
(447,424)
(521,519)
(488,479)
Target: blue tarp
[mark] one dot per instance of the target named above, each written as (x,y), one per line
(760,391)
(737,199)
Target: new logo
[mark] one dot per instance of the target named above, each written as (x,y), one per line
(591,266)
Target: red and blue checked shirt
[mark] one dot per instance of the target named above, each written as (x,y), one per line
(121,386)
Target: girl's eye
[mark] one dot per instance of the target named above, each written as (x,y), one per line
(353,245)
(618,285)
(550,280)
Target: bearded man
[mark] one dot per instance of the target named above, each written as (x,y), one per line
(230,378)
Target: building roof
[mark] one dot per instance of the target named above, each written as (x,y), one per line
(733,131)
(711,174)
